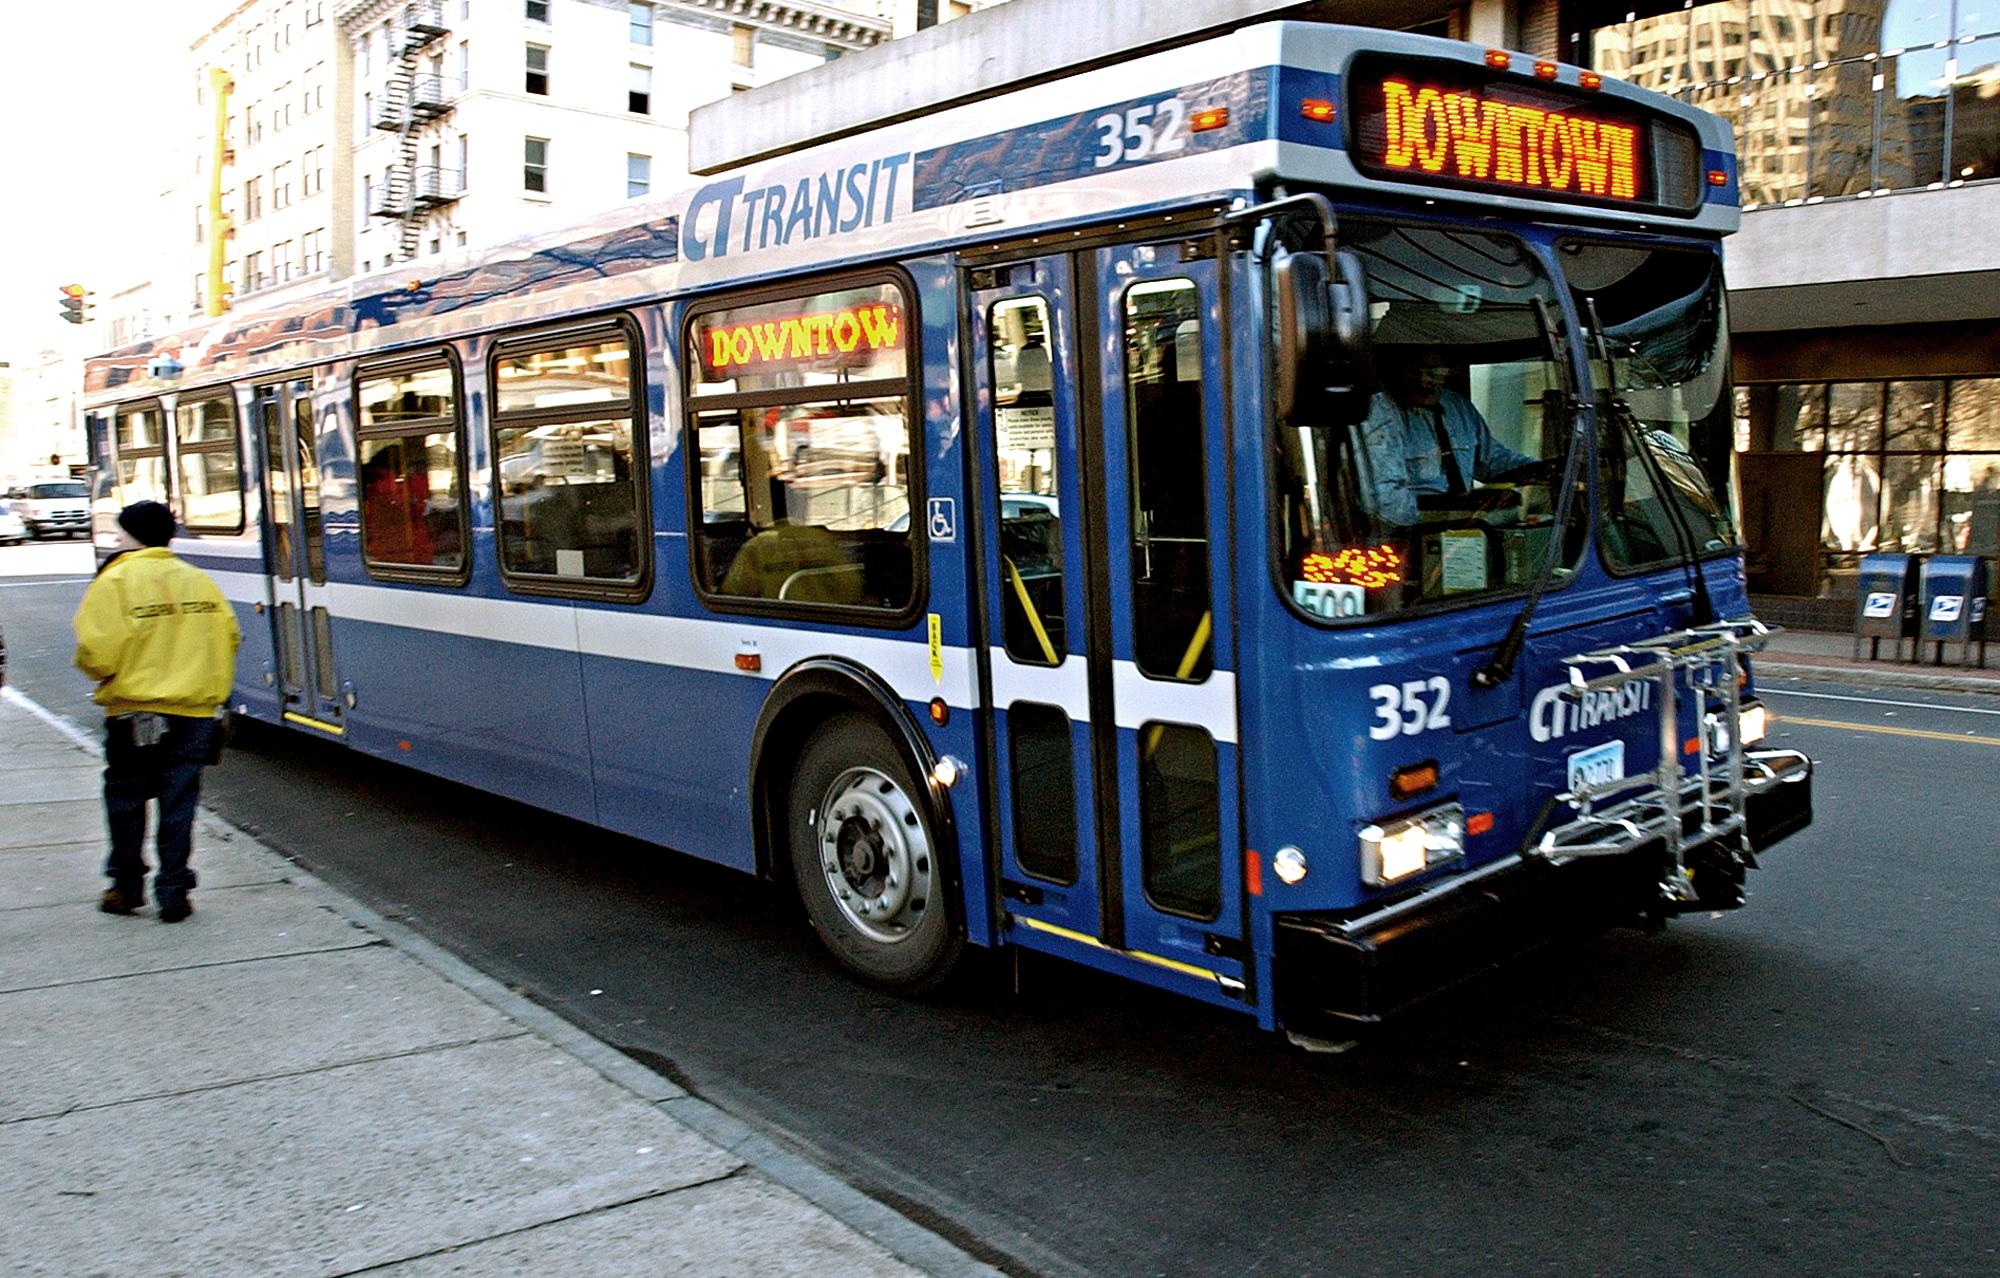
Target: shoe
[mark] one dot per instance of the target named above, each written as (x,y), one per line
(177,911)
(118,901)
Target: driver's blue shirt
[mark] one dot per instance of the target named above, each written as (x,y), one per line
(1403,458)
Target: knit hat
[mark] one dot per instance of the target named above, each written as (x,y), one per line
(150,523)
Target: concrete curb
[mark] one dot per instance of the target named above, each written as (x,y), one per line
(904,1239)
(1879,676)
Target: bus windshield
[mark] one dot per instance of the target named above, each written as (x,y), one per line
(1667,333)
(1444,489)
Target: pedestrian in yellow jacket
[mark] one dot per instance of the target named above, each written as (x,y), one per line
(160,640)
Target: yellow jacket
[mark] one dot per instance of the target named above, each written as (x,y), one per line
(158,637)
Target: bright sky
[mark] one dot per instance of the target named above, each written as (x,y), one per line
(95,101)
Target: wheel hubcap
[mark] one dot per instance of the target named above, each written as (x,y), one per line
(873,854)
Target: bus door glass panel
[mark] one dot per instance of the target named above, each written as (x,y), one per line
(1164,528)
(298,552)
(281,587)
(1030,499)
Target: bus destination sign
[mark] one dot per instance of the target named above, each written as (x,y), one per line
(729,343)
(1455,125)
(1470,135)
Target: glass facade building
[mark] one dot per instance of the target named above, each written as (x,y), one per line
(1852,435)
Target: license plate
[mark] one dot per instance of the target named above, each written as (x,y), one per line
(1597,766)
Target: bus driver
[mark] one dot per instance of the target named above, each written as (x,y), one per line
(1427,446)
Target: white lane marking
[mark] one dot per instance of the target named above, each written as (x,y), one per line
(1871,701)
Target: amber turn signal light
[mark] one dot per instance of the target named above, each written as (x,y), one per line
(1417,778)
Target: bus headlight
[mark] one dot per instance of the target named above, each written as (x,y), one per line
(1397,849)
(1752,719)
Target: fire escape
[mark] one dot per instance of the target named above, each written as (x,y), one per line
(411,103)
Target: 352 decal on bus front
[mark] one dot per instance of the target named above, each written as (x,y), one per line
(1417,706)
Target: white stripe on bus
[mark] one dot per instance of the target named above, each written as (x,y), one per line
(1209,705)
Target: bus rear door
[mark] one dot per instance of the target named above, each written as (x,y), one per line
(295,541)
(1101,424)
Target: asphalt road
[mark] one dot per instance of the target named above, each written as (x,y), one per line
(1809,1085)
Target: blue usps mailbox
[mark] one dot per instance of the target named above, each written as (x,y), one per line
(1885,604)
(1954,604)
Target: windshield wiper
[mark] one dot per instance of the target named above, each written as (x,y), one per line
(1501,667)
(1623,419)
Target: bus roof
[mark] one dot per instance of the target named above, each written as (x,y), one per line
(1101,144)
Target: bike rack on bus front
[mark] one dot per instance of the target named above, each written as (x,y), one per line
(1682,809)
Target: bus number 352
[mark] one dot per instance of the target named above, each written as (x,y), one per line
(1141,132)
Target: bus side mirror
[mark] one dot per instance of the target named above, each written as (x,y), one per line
(1322,358)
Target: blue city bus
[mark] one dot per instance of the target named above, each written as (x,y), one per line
(1254,519)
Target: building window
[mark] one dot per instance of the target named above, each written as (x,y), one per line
(211,466)
(281,262)
(253,199)
(314,247)
(642,23)
(538,68)
(412,484)
(571,488)
(464,66)
(743,45)
(535,165)
(538,10)
(639,97)
(367,54)
(638,175)
(281,186)
(253,272)
(802,493)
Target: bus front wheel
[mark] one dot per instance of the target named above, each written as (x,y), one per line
(865,859)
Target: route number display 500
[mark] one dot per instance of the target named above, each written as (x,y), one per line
(1141,132)
(1417,706)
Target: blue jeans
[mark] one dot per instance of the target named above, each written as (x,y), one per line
(169,771)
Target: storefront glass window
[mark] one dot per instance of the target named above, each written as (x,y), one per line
(1910,503)
(1974,422)
(1916,417)
(1853,489)
(1854,417)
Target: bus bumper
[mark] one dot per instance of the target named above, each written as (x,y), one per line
(1331,972)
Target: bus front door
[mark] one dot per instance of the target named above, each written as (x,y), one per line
(1101,420)
(295,558)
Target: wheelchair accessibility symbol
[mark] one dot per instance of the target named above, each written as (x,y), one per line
(944,519)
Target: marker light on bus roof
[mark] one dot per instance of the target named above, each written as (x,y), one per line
(1718,177)
(1318,110)
(1208,118)
(1499,59)
(1589,80)
(1545,70)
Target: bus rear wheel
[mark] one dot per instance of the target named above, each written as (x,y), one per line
(865,859)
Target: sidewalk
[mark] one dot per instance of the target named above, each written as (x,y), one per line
(1809,654)
(287,1084)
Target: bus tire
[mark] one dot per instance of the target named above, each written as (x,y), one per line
(866,859)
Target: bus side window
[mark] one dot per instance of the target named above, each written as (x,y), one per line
(802,421)
(409,428)
(211,464)
(142,456)
(571,494)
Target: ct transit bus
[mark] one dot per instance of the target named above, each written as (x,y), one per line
(1254,519)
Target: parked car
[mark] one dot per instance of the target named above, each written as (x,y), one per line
(54,506)
(13,529)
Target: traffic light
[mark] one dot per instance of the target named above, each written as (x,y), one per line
(75,303)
